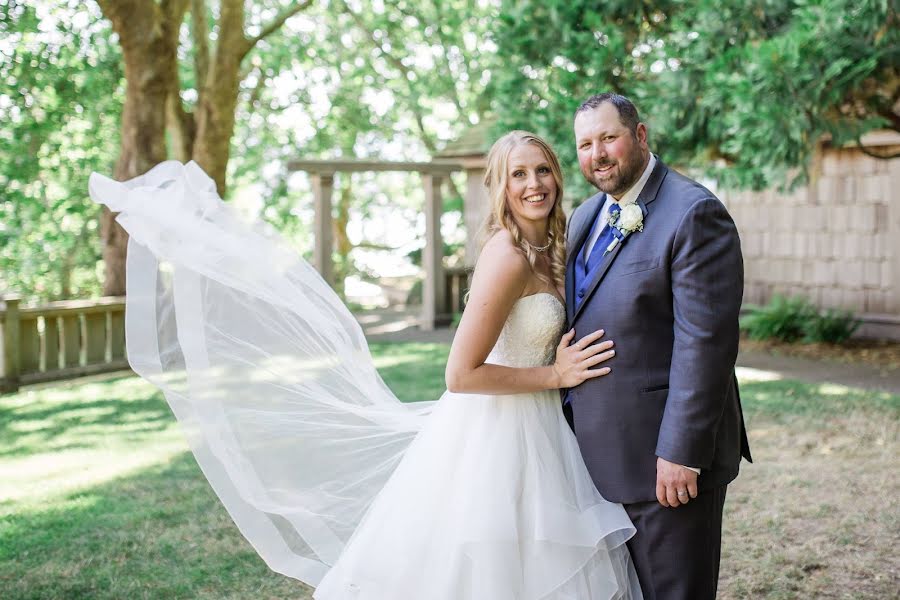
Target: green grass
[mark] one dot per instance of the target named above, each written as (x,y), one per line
(413,371)
(785,399)
(100,499)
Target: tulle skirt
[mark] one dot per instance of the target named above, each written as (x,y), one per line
(329,476)
(492,501)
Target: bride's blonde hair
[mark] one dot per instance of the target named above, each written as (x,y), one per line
(495,179)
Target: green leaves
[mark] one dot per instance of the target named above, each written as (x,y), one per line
(740,91)
(796,319)
(60,99)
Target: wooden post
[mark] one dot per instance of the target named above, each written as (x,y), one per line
(476,210)
(323,186)
(117,335)
(29,345)
(95,328)
(71,340)
(51,344)
(433,254)
(10,380)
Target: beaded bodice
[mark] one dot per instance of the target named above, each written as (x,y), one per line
(531,332)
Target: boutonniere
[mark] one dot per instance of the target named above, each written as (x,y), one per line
(625,222)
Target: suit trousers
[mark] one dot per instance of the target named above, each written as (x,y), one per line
(676,550)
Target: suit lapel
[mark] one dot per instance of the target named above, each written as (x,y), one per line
(647,195)
(584,227)
(651,189)
(598,277)
(578,239)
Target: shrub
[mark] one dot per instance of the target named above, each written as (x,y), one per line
(793,319)
(831,326)
(783,319)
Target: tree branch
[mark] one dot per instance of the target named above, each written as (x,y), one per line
(182,126)
(442,38)
(438,24)
(174,9)
(874,154)
(430,144)
(200,35)
(892,117)
(373,246)
(414,105)
(276,23)
(130,19)
(256,91)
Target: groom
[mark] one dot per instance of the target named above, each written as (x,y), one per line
(663,433)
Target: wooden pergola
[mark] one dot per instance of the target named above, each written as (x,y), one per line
(322,174)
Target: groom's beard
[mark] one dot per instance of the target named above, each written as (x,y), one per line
(622,176)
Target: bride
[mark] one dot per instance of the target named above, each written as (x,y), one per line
(480,495)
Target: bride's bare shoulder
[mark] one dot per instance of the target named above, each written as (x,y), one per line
(502,275)
(501,258)
(501,243)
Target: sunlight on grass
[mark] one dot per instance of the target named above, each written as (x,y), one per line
(786,398)
(99,497)
(59,440)
(61,473)
(746,374)
(833,389)
(382,362)
(414,372)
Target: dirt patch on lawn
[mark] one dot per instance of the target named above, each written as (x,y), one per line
(816,516)
(874,352)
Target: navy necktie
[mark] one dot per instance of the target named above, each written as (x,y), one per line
(606,237)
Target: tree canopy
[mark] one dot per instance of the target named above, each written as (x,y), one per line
(60,101)
(740,90)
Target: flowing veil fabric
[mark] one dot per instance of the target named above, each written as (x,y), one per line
(261,363)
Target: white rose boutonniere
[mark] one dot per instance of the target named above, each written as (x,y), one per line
(626,221)
(631,219)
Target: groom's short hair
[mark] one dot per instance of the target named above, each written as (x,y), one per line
(628,112)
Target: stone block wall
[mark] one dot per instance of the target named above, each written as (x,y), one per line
(835,241)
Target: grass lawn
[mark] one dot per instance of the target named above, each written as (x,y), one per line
(100,499)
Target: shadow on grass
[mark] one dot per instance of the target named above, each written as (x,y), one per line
(74,415)
(160,533)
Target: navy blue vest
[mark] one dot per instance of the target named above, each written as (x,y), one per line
(586,269)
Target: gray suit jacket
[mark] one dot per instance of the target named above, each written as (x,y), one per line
(669,297)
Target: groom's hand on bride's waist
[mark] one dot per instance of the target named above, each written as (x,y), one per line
(675,484)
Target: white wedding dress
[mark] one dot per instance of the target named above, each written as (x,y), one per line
(332,479)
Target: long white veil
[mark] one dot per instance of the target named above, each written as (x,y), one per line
(266,370)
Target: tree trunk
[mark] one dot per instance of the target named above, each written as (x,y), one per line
(342,243)
(219,95)
(148,34)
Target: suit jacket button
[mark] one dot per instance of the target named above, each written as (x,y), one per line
(581,293)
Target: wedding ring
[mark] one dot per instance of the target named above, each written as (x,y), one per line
(682,493)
